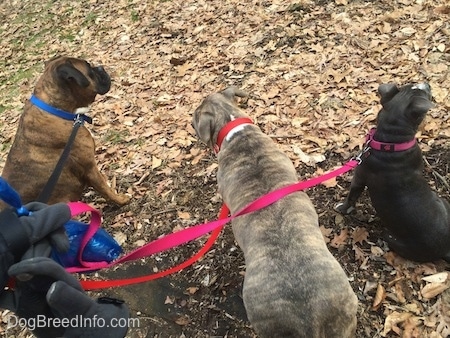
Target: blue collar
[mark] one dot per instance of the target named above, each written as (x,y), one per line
(58,112)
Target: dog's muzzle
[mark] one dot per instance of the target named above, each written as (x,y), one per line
(103,80)
(424,87)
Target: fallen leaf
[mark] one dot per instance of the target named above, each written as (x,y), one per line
(376,251)
(439,277)
(360,235)
(392,320)
(182,320)
(120,237)
(191,290)
(156,162)
(431,290)
(308,159)
(380,295)
(408,31)
(183,215)
(340,240)
(359,253)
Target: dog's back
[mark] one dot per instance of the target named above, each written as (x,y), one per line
(293,286)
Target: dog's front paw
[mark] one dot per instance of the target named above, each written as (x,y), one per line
(344,208)
(121,199)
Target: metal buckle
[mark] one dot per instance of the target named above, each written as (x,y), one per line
(365,149)
(78,120)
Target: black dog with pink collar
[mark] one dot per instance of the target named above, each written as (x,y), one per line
(416,221)
(386,146)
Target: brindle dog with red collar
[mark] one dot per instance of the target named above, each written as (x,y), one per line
(417,221)
(67,84)
(293,286)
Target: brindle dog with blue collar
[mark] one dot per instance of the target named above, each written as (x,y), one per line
(293,286)
(417,221)
(70,85)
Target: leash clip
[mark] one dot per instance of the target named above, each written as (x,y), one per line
(359,158)
(79,119)
(364,151)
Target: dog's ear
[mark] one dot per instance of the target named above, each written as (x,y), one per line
(387,91)
(68,72)
(418,107)
(231,92)
(204,126)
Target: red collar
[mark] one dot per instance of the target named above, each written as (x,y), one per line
(229,127)
(388,147)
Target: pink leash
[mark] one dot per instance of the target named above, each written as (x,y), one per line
(189,234)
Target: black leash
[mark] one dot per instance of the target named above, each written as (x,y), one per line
(45,194)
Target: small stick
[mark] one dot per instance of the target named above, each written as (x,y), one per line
(436,174)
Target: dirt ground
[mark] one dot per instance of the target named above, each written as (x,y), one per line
(311,68)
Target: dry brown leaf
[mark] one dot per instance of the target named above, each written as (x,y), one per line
(392,320)
(120,237)
(411,328)
(376,251)
(331,183)
(359,253)
(183,320)
(359,235)
(440,277)
(442,9)
(156,162)
(340,240)
(183,215)
(431,290)
(380,296)
(192,290)
(398,288)
(395,260)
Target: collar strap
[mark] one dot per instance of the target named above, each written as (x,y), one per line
(228,128)
(385,146)
(58,112)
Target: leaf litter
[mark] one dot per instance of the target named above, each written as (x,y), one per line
(311,68)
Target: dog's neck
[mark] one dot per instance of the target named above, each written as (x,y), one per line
(230,129)
(386,146)
(79,114)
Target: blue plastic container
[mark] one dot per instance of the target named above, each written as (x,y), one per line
(101,247)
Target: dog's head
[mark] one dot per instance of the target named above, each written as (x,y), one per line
(405,106)
(214,112)
(71,79)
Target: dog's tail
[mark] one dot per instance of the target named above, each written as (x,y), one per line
(232,91)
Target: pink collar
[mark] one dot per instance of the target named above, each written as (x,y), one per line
(228,128)
(388,147)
